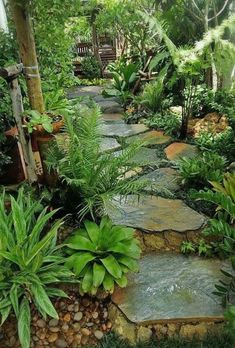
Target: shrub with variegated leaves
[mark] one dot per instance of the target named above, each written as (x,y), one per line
(101,255)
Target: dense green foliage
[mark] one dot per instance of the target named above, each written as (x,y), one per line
(92,177)
(102,255)
(30,262)
(199,171)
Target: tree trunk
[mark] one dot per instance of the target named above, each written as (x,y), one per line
(28,54)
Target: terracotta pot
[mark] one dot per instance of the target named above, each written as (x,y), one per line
(41,132)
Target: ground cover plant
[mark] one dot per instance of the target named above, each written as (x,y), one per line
(102,255)
(30,262)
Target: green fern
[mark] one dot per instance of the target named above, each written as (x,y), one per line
(94,177)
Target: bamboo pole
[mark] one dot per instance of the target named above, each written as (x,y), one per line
(28,54)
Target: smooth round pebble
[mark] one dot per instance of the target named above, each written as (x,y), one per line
(78,316)
(98,334)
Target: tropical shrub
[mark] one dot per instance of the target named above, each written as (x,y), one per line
(90,67)
(124,77)
(200,170)
(101,255)
(153,92)
(91,177)
(167,121)
(30,262)
(222,227)
(221,143)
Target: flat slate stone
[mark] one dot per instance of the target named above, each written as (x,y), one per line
(176,151)
(122,130)
(152,137)
(143,157)
(155,214)
(113,118)
(162,180)
(109,145)
(85,91)
(172,287)
(110,106)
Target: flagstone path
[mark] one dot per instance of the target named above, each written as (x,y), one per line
(169,286)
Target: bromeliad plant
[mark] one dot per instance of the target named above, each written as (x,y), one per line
(30,262)
(101,255)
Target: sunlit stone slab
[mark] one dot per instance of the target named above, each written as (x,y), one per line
(172,287)
(155,214)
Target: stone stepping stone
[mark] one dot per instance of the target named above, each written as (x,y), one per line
(155,214)
(122,130)
(164,180)
(85,91)
(172,287)
(109,145)
(143,157)
(152,137)
(110,106)
(175,151)
(114,118)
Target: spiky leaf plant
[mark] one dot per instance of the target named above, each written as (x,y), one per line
(93,177)
(29,262)
(101,255)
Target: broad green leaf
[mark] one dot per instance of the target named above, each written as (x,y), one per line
(112,266)
(129,262)
(98,274)
(130,249)
(93,231)
(44,242)
(14,296)
(5,313)
(87,281)
(40,223)
(53,292)
(108,283)
(80,243)
(10,257)
(24,320)
(122,282)
(42,300)
(81,261)
(18,221)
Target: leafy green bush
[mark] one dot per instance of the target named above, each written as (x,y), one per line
(198,171)
(91,177)
(206,100)
(167,121)
(222,227)
(30,262)
(102,255)
(124,77)
(153,92)
(90,67)
(221,143)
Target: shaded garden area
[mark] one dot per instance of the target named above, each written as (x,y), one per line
(117,173)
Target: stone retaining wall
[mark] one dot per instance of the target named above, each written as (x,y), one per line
(138,332)
(167,240)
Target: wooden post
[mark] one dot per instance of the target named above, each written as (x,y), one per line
(11,76)
(28,54)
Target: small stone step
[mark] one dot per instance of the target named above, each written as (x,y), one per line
(156,214)
(122,130)
(143,157)
(172,287)
(175,151)
(113,118)
(152,137)
(109,145)
(162,180)
(110,106)
(84,91)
